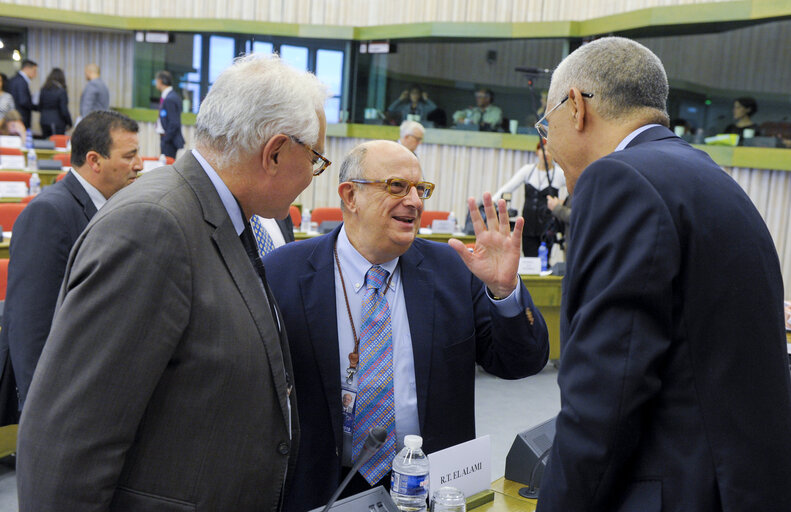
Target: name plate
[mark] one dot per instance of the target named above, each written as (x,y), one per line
(466,466)
(13,189)
(443,226)
(529,265)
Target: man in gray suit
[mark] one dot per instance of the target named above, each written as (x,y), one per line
(96,95)
(165,381)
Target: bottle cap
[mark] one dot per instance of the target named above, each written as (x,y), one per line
(413,442)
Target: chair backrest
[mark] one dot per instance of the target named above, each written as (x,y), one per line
(11,151)
(8,214)
(430,216)
(3,277)
(168,159)
(65,158)
(61,176)
(61,141)
(15,176)
(296,217)
(27,199)
(320,214)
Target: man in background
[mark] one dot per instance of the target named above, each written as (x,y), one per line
(104,158)
(485,115)
(19,87)
(96,95)
(411,135)
(674,381)
(166,382)
(169,120)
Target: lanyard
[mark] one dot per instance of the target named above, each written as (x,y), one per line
(354,356)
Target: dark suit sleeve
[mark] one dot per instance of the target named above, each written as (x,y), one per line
(171,122)
(63,107)
(21,93)
(622,257)
(39,251)
(122,312)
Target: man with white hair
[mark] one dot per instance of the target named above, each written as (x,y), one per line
(411,135)
(166,381)
(674,381)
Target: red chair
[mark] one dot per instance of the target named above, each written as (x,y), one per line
(168,160)
(15,176)
(61,176)
(65,159)
(8,214)
(61,141)
(11,151)
(27,199)
(319,215)
(296,217)
(430,216)
(3,277)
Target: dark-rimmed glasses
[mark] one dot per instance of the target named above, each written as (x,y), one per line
(399,187)
(542,126)
(320,163)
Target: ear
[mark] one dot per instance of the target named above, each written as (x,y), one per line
(94,160)
(577,105)
(271,153)
(348,193)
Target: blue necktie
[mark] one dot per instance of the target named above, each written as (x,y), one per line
(375,403)
(262,237)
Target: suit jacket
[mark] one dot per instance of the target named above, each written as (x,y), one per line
(287,228)
(170,117)
(95,96)
(452,323)
(674,380)
(23,101)
(164,382)
(54,106)
(44,234)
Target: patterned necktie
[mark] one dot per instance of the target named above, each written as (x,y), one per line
(375,404)
(262,237)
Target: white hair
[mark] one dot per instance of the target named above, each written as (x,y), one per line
(256,98)
(625,77)
(408,127)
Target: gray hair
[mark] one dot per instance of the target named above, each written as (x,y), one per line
(352,166)
(407,127)
(256,98)
(625,77)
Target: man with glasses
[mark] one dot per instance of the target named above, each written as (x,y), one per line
(411,135)
(166,382)
(397,322)
(673,378)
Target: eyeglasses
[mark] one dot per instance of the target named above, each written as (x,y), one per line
(320,163)
(542,126)
(400,187)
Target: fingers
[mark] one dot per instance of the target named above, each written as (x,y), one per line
(475,215)
(505,227)
(517,233)
(464,253)
(491,214)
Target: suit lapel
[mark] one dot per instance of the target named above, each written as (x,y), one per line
(651,134)
(242,272)
(323,324)
(287,228)
(76,189)
(419,298)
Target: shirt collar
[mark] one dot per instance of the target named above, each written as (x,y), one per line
(97,198)
(166,91)
(629,138)
(227,198)
(355,266)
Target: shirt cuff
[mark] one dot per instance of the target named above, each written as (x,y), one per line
(509,306)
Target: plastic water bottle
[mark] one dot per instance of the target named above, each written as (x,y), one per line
(452,219)
(163,160)
(409,480)
(305,220)
(35,184)
(32,158)
(543,255)
(29,139)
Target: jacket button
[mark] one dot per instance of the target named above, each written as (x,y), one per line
(283,448)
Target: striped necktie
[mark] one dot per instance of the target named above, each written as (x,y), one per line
(375,403)
(262,237)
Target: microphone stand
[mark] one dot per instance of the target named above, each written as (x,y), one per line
(532,491)
(374,441)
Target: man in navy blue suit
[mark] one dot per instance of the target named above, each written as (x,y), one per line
(673,375)
(449,309)
(19,87)
(105,159)
(169,120)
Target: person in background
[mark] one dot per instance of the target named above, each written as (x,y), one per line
(169,120)
(6,100)
(11,124)
(53,103)
(104,158)
(413,101)
(411,135)
(743,108)
(19,87)
(674,383)
(446,310)
(488,117)
(540,180)
(95,95)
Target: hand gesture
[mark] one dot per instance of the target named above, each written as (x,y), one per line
(404,95)
(495,260)
(552,203)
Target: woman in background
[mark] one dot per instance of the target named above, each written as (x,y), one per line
(54,105)
(743,108)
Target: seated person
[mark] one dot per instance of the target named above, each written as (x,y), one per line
(11,124)
(743,108)
(413,101)
(487,116)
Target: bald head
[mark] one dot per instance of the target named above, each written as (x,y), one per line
(91,71)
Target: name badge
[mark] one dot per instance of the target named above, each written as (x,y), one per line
(348,400)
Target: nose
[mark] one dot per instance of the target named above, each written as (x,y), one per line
(412,198)
(137,163)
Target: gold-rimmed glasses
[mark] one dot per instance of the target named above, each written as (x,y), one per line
(400,187)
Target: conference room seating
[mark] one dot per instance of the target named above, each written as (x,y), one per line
(61,141)
(65,158)
(61,176)
(325,213)
(168,159)
(296,216)
(8,214)
(15,176)
(430,216)
(27,199)
(3,277)
(11,151)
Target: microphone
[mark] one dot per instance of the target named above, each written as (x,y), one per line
(532,491)
(376,438)
(533,71)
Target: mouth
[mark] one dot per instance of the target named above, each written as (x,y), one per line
(408,220)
